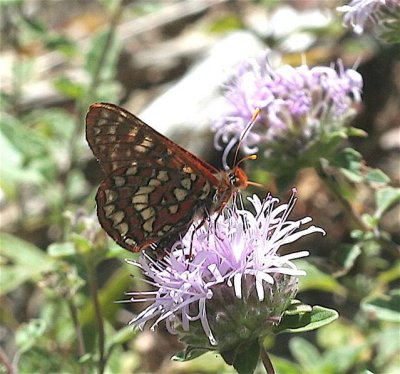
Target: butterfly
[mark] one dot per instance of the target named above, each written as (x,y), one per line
(153,189)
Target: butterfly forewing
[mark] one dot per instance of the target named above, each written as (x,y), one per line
(118,138)
(153,188)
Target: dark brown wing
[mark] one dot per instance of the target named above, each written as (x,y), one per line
(117,138)
(154,188)
(141,205)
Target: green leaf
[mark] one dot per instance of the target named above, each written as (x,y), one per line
(387,345)
(225,24)
(347,256)
(11,160)
(285,366)
(354,131)
(124,335)
(305,353)
(349,163)
(23,70)
(188,354)
(27,336)
(96,52)
(342,358)
(317,280)
(377,177)
(297,307)
(113,290)
(390,275)
(26,262)
(384,307)
(67,87)
(306,321)
(386,198)
(60,250)
(246,360)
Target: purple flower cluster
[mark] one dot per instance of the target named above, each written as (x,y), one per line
(295,102)
(238,246)
(358,12)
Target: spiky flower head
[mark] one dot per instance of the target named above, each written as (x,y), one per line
(225,283)
(303,109)
(383,13)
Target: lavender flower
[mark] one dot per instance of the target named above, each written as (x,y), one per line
(299,105)
(358,12)
(225,282)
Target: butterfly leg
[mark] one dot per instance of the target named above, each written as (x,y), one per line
(206,217)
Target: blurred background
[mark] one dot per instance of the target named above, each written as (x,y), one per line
(165,61)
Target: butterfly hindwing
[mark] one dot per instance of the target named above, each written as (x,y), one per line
(141,205)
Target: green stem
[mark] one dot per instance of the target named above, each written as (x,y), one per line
(83,104)
(92,278)
(78,331)
(356,220)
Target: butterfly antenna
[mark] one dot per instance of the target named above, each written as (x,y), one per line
(253,119)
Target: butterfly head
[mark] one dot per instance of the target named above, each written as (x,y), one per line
(238,178)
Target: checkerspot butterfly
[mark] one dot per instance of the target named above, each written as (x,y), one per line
(153,189)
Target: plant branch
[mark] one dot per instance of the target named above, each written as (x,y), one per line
(78,330)
(99,318)
(267,361)
(9,366)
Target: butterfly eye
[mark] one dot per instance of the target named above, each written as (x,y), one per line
(238,178)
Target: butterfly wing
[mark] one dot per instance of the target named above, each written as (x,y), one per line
(117,138)
(154,188)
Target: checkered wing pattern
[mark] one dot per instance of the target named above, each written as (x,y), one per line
(154,189)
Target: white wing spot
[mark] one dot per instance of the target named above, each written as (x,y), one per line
(130,241)
(148,225)
(140,199)
(186,183)
(206,191)
(119,181)
(122,228)
(145,190)
(140,148)
(117,217)
(133,132)
(110,196)
(180,194)
(163,176)
(173,208)
(112,130)
(140,207)
(154,182)
(148,143)
(108,210)
(148,213)
(131,170)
